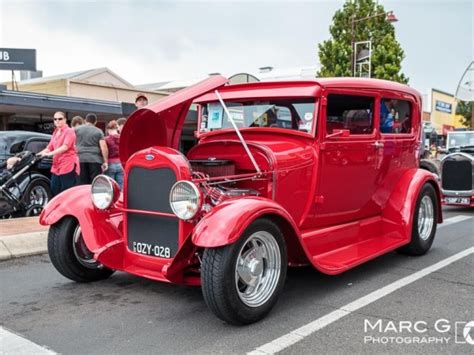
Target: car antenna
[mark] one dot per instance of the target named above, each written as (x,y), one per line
(238,133)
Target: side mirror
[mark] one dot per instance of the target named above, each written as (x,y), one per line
(339,133)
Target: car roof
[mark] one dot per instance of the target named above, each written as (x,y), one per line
(18,135)
(312,86)
(367,83)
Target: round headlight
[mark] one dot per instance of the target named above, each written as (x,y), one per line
(185,199)
(104,192)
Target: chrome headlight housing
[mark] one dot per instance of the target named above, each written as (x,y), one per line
(185,199)
(104,192)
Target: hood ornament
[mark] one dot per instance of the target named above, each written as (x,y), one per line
(149,157)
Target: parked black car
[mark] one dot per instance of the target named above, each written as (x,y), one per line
(457,169)
(32,186)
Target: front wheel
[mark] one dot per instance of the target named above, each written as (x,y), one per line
(425,220)
(241,282)
(70,255)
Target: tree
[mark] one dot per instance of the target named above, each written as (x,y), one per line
(464,109)
(335,54)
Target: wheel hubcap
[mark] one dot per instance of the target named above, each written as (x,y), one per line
(82,253)
(38,196)
(258,269)
(425,218)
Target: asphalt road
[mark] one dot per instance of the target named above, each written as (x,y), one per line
(127,314)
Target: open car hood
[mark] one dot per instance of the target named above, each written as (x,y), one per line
(161,123)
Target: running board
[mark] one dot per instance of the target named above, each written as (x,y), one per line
(345,258)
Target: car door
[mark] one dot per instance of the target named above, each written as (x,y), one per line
(348,164)
(398,121)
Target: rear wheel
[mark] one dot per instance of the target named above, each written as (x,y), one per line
(70,255)
(424,222)
(242,282)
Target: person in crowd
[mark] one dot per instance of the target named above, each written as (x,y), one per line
(62,148)
(115,170)
(77,121)
(120,122)
(141,101)
(92,149)
(434,151)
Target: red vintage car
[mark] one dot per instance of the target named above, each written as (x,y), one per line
(321,172)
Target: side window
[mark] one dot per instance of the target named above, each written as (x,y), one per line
(351,112)
(395,116)
(36,146)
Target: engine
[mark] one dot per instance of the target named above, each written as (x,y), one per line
(219,191)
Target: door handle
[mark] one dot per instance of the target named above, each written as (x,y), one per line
(378,145)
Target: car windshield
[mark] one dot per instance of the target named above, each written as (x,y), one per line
(275,113)
(460,139)
(8,145)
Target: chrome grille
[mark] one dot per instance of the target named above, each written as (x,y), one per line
(148,190)
(457,175)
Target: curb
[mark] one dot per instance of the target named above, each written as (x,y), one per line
(19,245)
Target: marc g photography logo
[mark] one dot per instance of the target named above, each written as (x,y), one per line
(418,332)
(465,332)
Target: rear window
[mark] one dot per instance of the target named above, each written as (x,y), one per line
(395,116)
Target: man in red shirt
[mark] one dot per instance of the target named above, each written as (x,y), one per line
(62,148)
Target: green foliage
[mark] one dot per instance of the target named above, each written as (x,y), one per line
(465,110)
(387,55)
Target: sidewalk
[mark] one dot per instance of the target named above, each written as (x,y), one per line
(22,237)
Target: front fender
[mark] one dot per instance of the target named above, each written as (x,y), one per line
(99,228)
(399,211)
(227,221)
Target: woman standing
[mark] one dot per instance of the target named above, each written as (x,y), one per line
(115,170)
(77,121)
(62,148)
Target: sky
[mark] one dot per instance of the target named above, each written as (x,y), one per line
(154,41)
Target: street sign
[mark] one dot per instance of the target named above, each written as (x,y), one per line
(17,59)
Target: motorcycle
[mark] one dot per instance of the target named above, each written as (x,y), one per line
(23,191)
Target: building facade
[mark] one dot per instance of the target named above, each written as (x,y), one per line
(443,112)
(95,84)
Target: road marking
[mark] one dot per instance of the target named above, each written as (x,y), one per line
(15,344)
(453,220)
(299,334)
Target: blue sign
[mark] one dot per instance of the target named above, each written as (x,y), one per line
(443,106)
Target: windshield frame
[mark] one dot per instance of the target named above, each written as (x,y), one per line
(278,130)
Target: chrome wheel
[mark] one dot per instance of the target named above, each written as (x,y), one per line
(258,268)
(38,196)
(425,217)
(82,253)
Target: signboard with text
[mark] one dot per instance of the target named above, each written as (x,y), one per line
(443,106)
(17,59)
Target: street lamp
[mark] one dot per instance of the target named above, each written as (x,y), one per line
(362,58)
(389,17)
